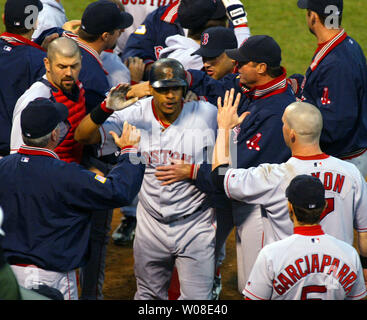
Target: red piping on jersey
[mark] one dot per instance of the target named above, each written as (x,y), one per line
(314,230)
(313,157)
(276,86)
(252,295)
(35,151)
(170,15)
(165,125)
(324,49)
(18,40)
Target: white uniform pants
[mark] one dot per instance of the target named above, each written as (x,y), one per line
(188,244)
(30,277)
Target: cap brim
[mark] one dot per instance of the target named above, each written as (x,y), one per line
(235,54)
(302,4)
(126,20)
(208,53)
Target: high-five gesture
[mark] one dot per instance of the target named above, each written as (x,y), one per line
(227,113)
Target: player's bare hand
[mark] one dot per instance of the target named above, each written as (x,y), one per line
(191,96)
(130,136)
(178,170)
(139,90)
(227,111)
(72,25)
(48,40)
(116,98)
(136,67)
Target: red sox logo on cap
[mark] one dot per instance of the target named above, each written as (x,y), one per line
(204,42)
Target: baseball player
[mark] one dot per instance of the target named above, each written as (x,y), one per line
(336,77)
(47,232)
(264,91)
(345,188)
(175,224)
(310,264)
(21,63)
(61,84)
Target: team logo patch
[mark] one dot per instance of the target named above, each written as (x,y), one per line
(100,178)
(205,39)
(325,97)
(7,48)
(253,143)
(157,51)
(141,29)
(24,159)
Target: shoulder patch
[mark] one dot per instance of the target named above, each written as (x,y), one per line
(100,178)
(141,29)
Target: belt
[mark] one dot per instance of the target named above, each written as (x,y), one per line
(353,154)
(171,220)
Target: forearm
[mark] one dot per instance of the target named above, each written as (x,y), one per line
(221,154)
(87,131)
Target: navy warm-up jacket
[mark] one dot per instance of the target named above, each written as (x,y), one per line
(47,204)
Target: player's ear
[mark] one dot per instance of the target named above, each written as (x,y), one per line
(46,62)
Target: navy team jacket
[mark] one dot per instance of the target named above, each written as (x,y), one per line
(47,204)
(259,139)
(150,37)
(21,64)
(336,82)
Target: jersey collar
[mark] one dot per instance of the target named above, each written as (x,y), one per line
(313,157)
(170,15)
(315,230)
(276,86)
(18,40)
(35,151)
(324,49)
(87,48)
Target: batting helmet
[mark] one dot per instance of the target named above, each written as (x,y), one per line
(166,73)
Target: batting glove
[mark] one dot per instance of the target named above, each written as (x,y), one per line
(116,98)
(235,12)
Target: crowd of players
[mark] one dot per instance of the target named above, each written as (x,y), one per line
(180,86)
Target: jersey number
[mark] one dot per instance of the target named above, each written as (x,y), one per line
(312,289)
(330,208)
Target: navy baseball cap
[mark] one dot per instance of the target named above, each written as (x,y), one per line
(306,191)
(104,16)
(215,40)
(319,6)
(194,14)
(41,116)
(258,48)
(17,11)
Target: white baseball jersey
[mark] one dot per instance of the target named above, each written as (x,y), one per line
(118,72)
(345,191)
(52,15)
(37,90)
(192,132)
(180,48)
(307,265)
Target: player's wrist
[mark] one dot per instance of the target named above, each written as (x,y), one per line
(128,149)
(100,113)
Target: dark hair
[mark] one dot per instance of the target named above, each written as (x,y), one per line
(308,216)
(323,17)
(90,37)
(16,30)
(196,33)
(273,72)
